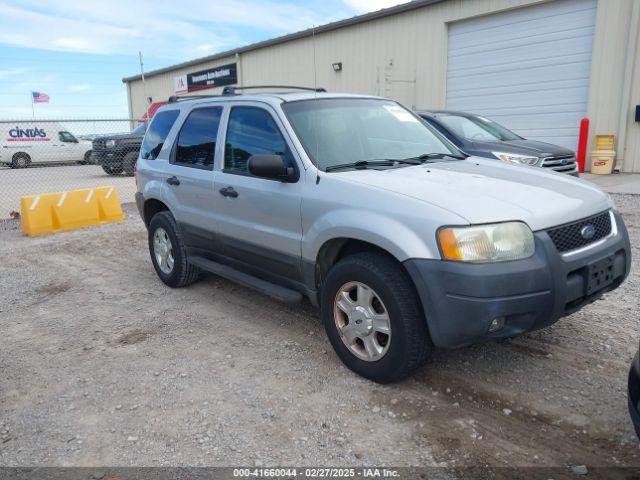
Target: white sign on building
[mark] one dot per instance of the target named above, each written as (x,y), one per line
(180,84)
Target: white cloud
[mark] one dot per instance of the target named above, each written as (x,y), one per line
(41,111)
(204,48)
(362,6)
(10,72)
(81,87)
(73,44)
(163,28)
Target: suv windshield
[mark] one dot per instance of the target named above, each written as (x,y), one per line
(140,129)
(338,131)
(476,128)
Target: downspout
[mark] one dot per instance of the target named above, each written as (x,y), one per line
(630,58)
(240,70)
(130,106)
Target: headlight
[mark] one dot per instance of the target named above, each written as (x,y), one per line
(514,158)
(498,242)
(110,143)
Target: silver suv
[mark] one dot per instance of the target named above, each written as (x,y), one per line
(357,204)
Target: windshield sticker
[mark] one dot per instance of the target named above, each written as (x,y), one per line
(400,113)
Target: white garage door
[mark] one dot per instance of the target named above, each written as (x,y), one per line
(527,69)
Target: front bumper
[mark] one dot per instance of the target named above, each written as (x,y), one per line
(461,300)
(634,393)
(107,157)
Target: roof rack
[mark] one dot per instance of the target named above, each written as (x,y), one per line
(232,90)
(180,98)
(226,91)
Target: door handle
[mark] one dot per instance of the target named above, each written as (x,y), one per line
(173,181)
(228,192)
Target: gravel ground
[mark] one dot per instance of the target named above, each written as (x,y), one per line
(103,365)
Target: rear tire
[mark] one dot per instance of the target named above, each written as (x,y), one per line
(407,345)
(129,162)
(20,160)
(175,271)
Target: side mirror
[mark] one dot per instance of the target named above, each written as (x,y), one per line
(270,166)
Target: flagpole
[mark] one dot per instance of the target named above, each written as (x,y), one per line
(33,112)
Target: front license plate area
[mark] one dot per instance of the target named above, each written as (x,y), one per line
(599,275)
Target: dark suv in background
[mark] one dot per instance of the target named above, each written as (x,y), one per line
(118,153)
(479,136)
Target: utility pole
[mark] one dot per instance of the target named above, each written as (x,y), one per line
(144,87)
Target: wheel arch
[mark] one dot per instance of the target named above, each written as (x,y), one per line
(151,207)
(335,249)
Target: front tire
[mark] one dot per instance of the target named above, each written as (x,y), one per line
(168,253)
(112,168)
(373,317)
(86,159)
(129,162)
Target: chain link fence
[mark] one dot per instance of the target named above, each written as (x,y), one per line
(43,156)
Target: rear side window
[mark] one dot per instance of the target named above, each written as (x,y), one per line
(251,131)
(196,145)
(157,133)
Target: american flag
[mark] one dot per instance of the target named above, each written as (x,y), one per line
(39,97)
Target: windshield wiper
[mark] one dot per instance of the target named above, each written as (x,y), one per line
(363,164)
(435,156)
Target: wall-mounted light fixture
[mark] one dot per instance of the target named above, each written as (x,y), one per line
(336,66)
(150,99)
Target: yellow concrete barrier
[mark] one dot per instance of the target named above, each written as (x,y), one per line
(60,211)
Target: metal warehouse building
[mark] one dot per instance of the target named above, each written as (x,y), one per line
(537,67)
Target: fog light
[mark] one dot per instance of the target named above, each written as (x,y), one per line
(496,324)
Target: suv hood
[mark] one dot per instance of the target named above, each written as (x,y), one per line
(524,147)
(123,136)
(485,191)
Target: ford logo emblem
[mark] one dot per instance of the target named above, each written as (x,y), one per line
(588,232)
(564,161)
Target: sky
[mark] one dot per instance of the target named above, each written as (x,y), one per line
(78,51)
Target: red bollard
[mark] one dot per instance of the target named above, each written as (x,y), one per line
(581,154)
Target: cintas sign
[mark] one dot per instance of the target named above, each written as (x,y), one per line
(209,78)
(34,134)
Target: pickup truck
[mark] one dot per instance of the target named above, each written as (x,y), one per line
(118,153)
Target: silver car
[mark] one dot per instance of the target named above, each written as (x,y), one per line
(403,242)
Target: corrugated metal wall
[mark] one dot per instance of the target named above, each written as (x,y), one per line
(405,57)
(401,56)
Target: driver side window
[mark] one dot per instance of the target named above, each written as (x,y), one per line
(251,131)
(66,137)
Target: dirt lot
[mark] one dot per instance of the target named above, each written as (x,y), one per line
(103,365)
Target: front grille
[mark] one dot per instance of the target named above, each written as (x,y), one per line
(560,163)
(99,145)
(569,237)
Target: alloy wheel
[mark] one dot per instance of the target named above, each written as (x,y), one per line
(163,250)
(362,321)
